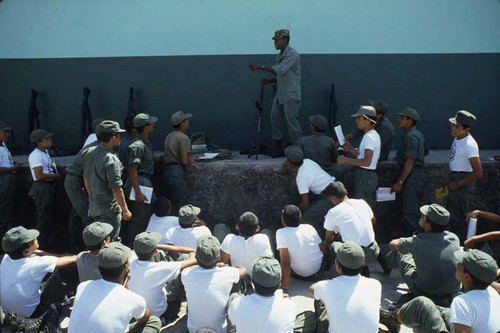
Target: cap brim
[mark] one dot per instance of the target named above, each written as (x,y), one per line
(355,115)
(48,135)
(453,120)
(460,255)
(120,131)
(32,234)
(108,228)
(196,210)
(156,236)
(424,209)
(187,115)
(154,119)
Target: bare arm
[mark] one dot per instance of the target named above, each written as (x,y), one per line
(487,237)
(409,163)
(330,236)
(134,180)
(42,177)
(286,269)
(304,202)
(460,328)
(120,199)
(191,261)
(172,248)
(224,257)
(242,270)
(485,215)
(393,245)
(186,159)
(477,172)
(10,169)
(365,161)
(86,184)
(67,261)
(311,289)
(144,318)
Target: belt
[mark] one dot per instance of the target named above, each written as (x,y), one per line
(369,170)
(171,163)
(145,174)
(461,172)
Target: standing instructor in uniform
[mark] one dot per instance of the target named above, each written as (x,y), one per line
(286,102)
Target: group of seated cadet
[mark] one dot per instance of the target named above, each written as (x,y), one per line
(190,228)
(161,220)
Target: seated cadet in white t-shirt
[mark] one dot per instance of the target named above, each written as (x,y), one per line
(351,301)
(107,305)
(95,237)
(299,246)
(149,278)
(242,250)
(266,310)
(21,274)
(350,219)
(311,181)
(208,287)
(474,311)
(160,221)
(189,230)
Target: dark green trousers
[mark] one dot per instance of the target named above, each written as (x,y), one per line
(141,212)
(458,205)
(409,199)
(153,325)
(7,196)
(365,185)
(315,213)
(114,217)
(175,185)
(43,195)
(421,311)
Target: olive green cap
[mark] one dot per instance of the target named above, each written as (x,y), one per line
(109,126)
(39,134)
(319,122)
(294,153)
(266,271)
(207,250)
(463,118)
(436,213)
(379,105)
(16,237)
(4,126)
(113,255)
(366,110)
(479,264)
(410,113)
(146,242)
(96,232)
(96,122)
(188,213)
(351,255)
(282,33)
(144,119)
(179,117)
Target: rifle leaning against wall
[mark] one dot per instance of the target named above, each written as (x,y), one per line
(86,117)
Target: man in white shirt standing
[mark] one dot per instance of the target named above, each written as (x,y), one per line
(8,170)
(351,301)
(189,230)
(465,169)
(365,177)
(44,173)
(311,181)
(107,305)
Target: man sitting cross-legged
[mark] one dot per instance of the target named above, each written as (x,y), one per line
(161,221)
(95,236)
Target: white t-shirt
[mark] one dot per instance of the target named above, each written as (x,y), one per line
(353,220)
(186,237)
(103,306)
(255,313)
(39,158)
(244,251)
(20,282)
(161,225)
(311,178)
(6,160)
(461,151)
(148,279)
(478,309)
(91,138)
(207,292)
(352,303)
(371,140)
(302,243)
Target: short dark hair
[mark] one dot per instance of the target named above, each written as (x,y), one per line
(161,206)
(145,256)
(477,283)
(95,247)
(464,126)
(110,274)
(291,215)
(248,224)
(19,252)
(413,121)
(140,129)
(128,124)
(350,271)
(264,291)
(436,228)
(374,118)
(335,189)
(297,164)
(105,137)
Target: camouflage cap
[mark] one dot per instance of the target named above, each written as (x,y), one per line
(319,122)
(179,117)
(282,33)
(463,118)
(266,271)
(379,105)
(410,113)
(144,119)
(207,250)
(96,232)
(351,255)
(436,213)
(366,110)
(39,134)
(109,126)
(113,255)
(188,213)
(4,126)
(479,264)
(294,154)
(16,237)
(146,242)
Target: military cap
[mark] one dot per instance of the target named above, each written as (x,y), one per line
(366,110)
(351,255)
(144,119)
(379,105)
(109,126)
(266,271)
(16,237)
(463,118)
(113,255)
(179,117)
(319,122)
(207,250)
(436,213)
(96,122)
(146,242)
(4,126)
(188,213)
(294,153)
(410,113)
(96,232)
(479,264)
(39,134)
(282,33)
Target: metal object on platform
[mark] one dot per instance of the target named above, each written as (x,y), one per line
(255,149)
(86,124)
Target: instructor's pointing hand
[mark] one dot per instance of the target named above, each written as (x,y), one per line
(253,67)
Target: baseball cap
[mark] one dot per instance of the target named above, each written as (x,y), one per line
(39,134)
(18,236)
(188,213)
(379,105)
(179,117)
(96,232)
(351,255)
(146,242)
(113,255)
(463,118)
(4,126)
(109,126)
(294,153)
(282,33)
(436,213)
(366,110)
(144,119)
(410,113)
(319,122)
(266,271)
(479,264)
(207,250)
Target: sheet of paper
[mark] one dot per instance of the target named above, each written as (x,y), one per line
(340,134)
(147,191)
(208,156)
(384,194)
